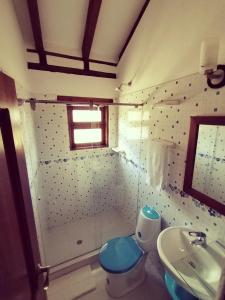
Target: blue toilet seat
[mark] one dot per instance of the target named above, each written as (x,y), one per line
(119,255)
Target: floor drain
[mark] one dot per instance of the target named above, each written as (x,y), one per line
(79,242)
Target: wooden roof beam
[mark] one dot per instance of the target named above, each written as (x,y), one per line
(36,29)
(91,22)
(68,70)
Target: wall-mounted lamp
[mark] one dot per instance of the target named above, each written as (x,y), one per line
(216,79)
(120,88)
(208,64)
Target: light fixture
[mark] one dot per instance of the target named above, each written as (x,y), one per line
(216,79)
(208,64)
(120,88)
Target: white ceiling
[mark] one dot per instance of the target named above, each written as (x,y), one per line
(24,22)
(115,22)
(63,24)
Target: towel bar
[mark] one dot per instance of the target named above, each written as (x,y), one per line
(168,143)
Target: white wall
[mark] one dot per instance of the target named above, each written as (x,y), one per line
(170,123)
(12,53)
(13,63)
(72,176)
(43,82)
(165,47)
(166,44)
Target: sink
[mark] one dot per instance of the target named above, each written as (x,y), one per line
(194,267)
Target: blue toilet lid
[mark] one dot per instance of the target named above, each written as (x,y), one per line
(119,255)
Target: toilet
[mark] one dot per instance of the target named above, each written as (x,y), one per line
(123,258)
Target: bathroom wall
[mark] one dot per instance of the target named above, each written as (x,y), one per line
(53,83)
(32,159)
(72,184)
(129,170)
(169,123)
(162,60)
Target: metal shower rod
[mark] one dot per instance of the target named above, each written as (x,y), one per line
(34,101)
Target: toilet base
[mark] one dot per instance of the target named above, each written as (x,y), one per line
(118,285)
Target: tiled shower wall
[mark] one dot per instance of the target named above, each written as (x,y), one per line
(28,134)
(129,138)
(169,123)
(32,158)
(72,184)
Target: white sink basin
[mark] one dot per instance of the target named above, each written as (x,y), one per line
(194,267)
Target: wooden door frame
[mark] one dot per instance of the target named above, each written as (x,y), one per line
(15,157)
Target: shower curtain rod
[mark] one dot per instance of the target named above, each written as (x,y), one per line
(34,101)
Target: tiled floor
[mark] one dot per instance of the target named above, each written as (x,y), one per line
(151,289)
(62,242)
(71,285)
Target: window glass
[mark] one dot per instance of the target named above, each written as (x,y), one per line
(88,127)
(87,116)
(83,136)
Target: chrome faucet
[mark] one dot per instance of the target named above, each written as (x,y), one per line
(200,238)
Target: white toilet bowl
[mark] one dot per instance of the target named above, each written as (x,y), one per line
(123,258)
(118,285)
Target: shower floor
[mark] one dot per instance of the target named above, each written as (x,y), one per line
(71,240)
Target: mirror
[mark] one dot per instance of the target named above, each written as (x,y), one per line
(209,168)
(205,163)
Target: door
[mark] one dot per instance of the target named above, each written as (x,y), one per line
(20,278)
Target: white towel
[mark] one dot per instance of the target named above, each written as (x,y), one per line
(157,161)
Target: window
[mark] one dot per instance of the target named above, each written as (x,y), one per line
(88,126)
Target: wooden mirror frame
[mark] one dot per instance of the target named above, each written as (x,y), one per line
(196,121)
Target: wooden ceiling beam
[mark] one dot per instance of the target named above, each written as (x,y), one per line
(36,29)
(133,28)
(78,58)
(91,22)
(68,70)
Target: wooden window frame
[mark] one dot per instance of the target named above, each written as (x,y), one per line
(103,124)
(195,123)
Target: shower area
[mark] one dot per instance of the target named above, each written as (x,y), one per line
(82,198)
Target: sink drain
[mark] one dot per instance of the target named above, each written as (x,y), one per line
(192,264)
(79,242)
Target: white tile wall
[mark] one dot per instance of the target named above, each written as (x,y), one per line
(169,123)
(74,188)
(72,184)
(32,159)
